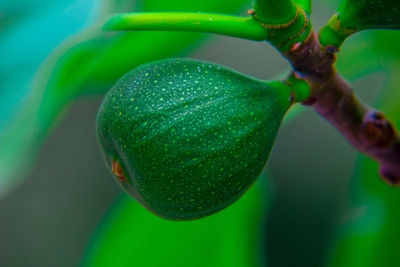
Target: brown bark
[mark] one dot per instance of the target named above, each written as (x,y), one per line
(332,97)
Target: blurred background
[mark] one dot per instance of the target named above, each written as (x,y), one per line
(60,205)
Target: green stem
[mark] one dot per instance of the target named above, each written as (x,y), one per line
(304,4)
(332,35)
(301,87)
(275,11)
(235,26)
(289,23)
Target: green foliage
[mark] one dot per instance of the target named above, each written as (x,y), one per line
(354,16)
(369,14)
(191,136)
(132,236)
(370,238)
(373,220)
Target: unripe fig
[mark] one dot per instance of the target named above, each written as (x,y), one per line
(187,138)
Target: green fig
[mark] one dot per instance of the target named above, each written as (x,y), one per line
(357,15)
(187,138)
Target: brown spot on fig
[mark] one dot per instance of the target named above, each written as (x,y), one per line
(118,171)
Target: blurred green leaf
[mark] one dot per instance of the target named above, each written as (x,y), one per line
(353,16)
(293,112)
(368,14)
(23,47)
(369,52)
(132,236)
(371,233)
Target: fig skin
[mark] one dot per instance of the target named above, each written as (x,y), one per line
(190,136)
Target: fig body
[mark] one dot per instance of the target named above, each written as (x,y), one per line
(187,138)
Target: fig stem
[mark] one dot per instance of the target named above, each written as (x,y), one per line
(275,11)
(281,35)
(367,129)
(235,26)
(301,88)
(305,5)
(332,35)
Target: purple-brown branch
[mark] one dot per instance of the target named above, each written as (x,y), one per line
(332,97)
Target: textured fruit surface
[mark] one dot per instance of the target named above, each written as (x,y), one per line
(367,14)
(191,137)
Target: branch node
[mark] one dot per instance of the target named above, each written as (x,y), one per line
(377,130)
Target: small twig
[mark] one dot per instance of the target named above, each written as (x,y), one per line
(235,26)
(332,97)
